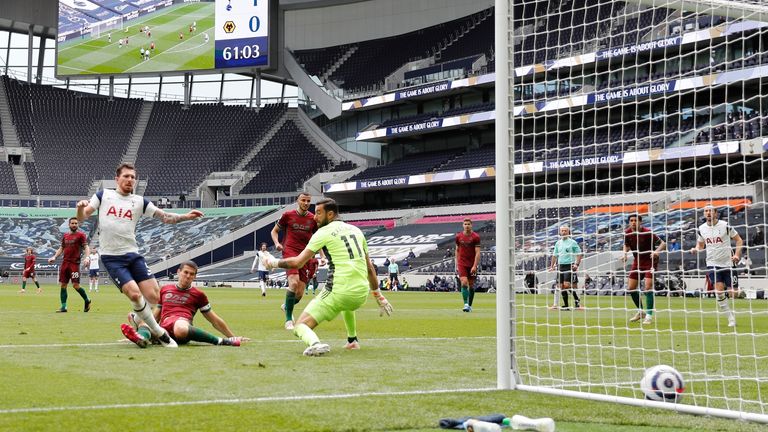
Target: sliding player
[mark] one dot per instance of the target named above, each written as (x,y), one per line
(178,305)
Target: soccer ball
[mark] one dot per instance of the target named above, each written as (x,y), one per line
(662,383)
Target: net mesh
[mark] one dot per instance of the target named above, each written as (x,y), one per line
(647,108)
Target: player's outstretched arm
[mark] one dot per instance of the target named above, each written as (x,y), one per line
(289,263)
(84,210)
(173,218)
(373,284)
(55,255)
(219,324)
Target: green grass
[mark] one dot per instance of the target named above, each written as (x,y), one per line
(90,56)
(74,368)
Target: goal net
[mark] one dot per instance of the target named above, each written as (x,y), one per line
(650,111)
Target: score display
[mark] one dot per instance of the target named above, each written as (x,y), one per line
(165,37)
(242,33)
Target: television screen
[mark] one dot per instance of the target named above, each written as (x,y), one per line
(151,37)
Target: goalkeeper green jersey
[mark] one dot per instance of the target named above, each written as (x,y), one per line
(345,248)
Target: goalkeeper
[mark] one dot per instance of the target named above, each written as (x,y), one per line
(350,277)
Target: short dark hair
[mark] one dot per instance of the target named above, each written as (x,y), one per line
(329,204)
(70,219)
(263,244)
(191,264)
(636,215)
(467,220)
(303,193)
(122,166)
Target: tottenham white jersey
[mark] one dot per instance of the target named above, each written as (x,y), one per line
(257,264)
(94,265)
(118,217)
(717,240)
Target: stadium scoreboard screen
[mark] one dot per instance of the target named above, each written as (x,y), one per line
(163,37)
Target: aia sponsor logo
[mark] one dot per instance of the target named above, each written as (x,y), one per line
(119,212)
(715,240)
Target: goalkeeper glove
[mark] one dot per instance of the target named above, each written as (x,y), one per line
(268,260)
(384,306)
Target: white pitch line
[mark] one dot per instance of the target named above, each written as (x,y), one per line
(241,401)
(169,50)
(124,341)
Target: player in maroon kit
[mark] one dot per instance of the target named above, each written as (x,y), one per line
(641,241)
(467,259)
(178,305)
(299,225)
(72,246)
(29,271)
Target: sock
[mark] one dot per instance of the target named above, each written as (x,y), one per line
(290,300)
(37,284)
(649,303)
(350,323)
(263,287)
(303,332)
(352,339)
(24,285)
(144,332)
(471,295)
(63,297)
(635,298)
(199,335)
(96,284)
(90,285)
(144,311)
(565,297)
(576,299)
(465,294)
(82,293)
(722,302)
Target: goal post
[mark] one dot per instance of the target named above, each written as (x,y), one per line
(613,118)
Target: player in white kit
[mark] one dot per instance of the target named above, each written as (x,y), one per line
(259,267)
(715,236)
(93,270)
(119,213)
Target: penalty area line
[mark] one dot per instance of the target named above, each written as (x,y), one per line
(243,400)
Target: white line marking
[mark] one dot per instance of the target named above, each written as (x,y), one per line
(124,341)
(241,401)
(170,50)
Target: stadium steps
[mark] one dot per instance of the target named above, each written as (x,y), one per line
(22,182)
(440,49)
(10,137)
(132,152)
(259,145)
(338,63)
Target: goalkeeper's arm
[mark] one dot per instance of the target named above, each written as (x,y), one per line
(290,263)
(373,284)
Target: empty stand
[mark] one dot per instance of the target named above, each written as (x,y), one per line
(285,162)
(411,164)
(181,146)
(75,138)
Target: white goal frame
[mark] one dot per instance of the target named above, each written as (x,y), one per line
(507,212)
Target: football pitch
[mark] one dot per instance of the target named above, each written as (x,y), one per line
(428,361)
(88,56)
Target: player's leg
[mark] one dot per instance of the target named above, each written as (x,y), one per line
(96,281)
(291,296)
(23,285)
(37,284)
(565,288)
(464,282)
(471,286)
(64,276)
(649,297)
(81,291)
(263,283)
(90,282)
(632,283)
(722,278)
(350,324)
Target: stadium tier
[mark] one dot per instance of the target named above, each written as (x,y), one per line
(42,229)
(7,181)
(411,164)
(285,162)
(67,132)
(222,136)
(373,60)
